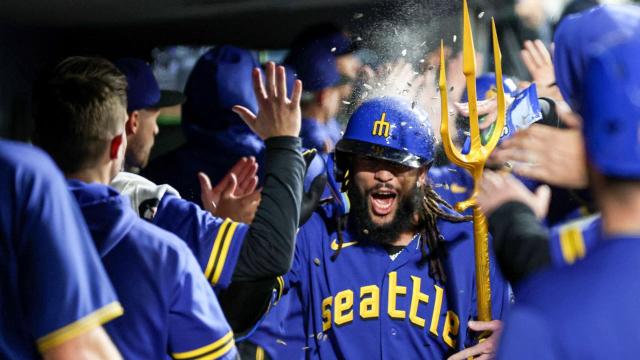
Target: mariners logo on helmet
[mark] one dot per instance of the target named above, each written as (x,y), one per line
(381,127)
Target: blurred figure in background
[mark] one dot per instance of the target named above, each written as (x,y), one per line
(316,67)
(216,137)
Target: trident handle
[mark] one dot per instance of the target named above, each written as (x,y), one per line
(475,160)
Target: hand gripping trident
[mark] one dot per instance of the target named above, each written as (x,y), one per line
(475,160)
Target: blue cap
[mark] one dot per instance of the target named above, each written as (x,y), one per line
(143,91)
(220,79)
(486,87)
(388,128)
(577,36)
(316,67)
(611,109)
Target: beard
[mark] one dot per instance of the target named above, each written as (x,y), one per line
(360,220)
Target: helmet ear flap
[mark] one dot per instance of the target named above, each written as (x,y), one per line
(341,168)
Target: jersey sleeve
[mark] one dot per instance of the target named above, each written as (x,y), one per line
(571,241)
(64,288)
(197,326)
(215,242)
(526,336)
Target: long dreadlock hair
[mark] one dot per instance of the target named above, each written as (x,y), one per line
(432,208)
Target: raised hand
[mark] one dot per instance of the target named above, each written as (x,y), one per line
(549,155)
(277,114)
(497,189)
(235,196)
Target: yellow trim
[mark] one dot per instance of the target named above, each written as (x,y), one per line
(280,280)
(572,244)
(223,255)
(214,250)
(205,349)
(218,353)
(259,353)
(76,328)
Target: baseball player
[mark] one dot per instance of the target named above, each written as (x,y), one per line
(574,312)
(215,137)
(396,278)
(170,309)
(316,66)
(54,293)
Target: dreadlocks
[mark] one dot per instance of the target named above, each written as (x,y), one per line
(432,210)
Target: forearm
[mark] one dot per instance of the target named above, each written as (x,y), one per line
(521,243)
(268,248)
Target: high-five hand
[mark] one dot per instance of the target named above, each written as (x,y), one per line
(277,114)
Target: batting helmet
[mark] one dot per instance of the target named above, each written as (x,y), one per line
(386,128)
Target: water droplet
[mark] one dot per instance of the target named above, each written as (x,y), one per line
(421,61)
(404,52)
(346,102)
(333,49)
(319,336)
(358,38)
(316,261)
(357,16)
(455,37)
(481,15)
(281,342)
(325,337)
(369,87)
(365,94)
(404,123)
(365,231)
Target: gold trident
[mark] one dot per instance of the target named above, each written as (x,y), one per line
(478,154)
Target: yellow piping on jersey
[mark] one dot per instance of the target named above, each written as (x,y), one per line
(80,326)
(219,347)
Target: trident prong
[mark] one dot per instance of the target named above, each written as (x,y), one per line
(475,160)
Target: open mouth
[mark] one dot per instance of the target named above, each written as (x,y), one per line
(382,201)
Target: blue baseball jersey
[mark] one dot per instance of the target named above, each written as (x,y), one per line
(215,242)
(364,304)
(585,311)
(52,284)
(170,309)
(452,183)
(571,241)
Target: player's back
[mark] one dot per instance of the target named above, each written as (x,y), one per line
(169,306)
(585,311)
(51,280)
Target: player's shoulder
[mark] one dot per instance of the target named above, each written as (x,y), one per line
(158,243)
(572,240)
(16,156)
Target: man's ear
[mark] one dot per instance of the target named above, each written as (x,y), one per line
(422,175)
(133,123)
(116,142)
